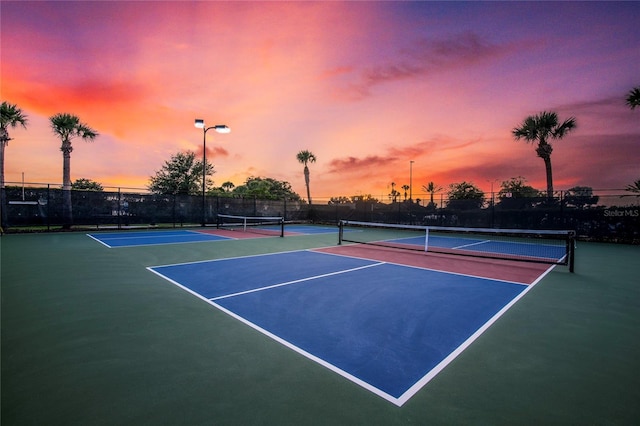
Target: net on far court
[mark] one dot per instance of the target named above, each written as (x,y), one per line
(265,225)
(542,246)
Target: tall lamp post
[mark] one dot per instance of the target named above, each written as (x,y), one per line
(410,180)
(220,128)
(411,192)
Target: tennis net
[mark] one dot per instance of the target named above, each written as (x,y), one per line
(541,246)
(266,225)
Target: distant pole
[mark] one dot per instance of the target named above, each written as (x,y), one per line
(491,182)
(493,203)
(410,192)
(410,180)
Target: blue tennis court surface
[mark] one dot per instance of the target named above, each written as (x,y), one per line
(387,327)
(129,239)
(146,238)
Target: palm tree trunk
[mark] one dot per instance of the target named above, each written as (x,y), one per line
(547,165)
(67,214)
(306,181)
(2,144)
(3,206)
(544,151)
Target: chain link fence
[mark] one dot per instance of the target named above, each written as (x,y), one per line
(39,207)
(602,216)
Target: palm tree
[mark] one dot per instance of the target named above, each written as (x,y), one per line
(394,193)
(431,188)
(10,116)
(633,189)
(633,98)
(406,188)
(227,186)
(540,128)
(305,157)
(67,127)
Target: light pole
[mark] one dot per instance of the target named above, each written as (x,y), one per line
(411,192)
(491,182)
(493,203)
(220,128)
(410,181)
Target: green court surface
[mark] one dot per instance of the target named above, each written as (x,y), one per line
(91,337)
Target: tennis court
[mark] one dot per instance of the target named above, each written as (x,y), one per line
(161,237)
(385,326)
(305,331)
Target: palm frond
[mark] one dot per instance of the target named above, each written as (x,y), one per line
(633,98)
(12,116)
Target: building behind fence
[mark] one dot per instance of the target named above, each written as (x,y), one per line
(603,216)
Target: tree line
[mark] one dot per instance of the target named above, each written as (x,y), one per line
(513,193)
(182,175)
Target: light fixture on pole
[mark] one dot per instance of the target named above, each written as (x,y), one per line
(220,128)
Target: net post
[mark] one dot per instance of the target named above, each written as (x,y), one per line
(340,231)
(282,227)
(426,239)
(571,242)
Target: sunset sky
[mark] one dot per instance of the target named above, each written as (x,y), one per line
(367,87)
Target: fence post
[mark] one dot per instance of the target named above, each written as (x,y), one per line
(284,208)
(173,210)
(493,209)
(119,209)
(48,207)
(562,208)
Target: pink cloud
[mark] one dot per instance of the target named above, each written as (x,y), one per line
(425,57)
(357,165)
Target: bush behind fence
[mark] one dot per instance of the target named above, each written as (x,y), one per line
(607,217)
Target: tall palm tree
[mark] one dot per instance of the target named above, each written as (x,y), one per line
(305,157)
(431,188)
(406,188)
(540,128)
(633,97)
(67,127)
(394,193)
(10,116)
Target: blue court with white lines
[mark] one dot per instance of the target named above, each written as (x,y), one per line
(387,326)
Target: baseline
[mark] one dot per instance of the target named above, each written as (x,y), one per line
(135,239)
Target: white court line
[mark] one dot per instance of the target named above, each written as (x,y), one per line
(157,234)
(417,386)
(453,355)
(424,268)
(244,257)
(99,240)
(471,244)
(296,281)
(213,238)
(309,355)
